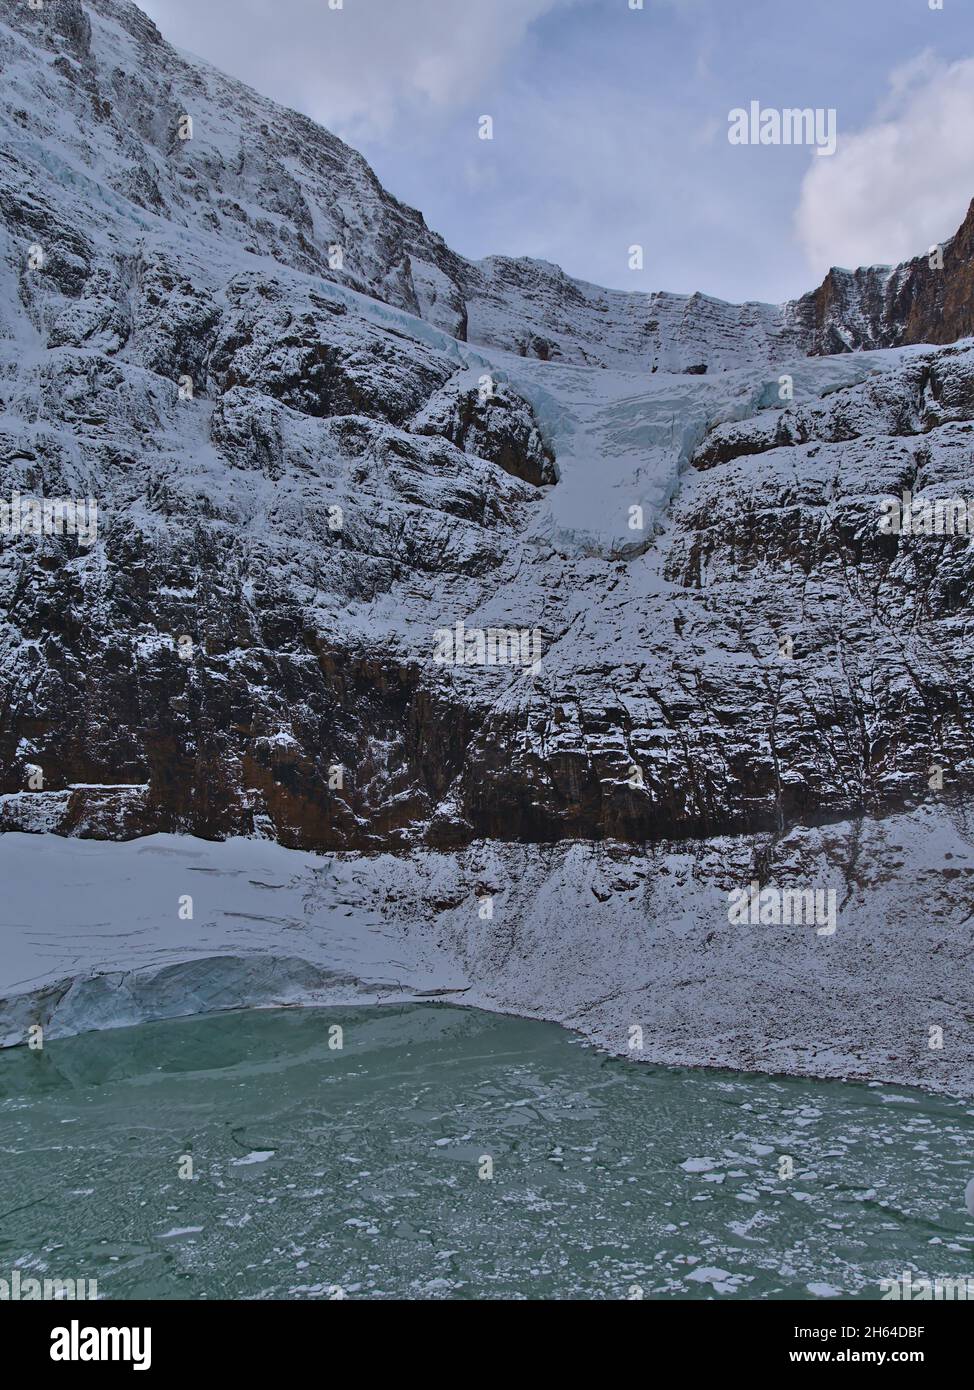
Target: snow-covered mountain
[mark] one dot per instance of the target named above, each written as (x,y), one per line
(318,440)
(310,631)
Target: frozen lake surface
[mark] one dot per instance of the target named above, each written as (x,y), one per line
(317,1170)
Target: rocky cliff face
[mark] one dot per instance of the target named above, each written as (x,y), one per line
(928,300)
(318,441)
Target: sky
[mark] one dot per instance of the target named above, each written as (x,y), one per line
(611,119)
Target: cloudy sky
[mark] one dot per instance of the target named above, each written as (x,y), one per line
(610,123)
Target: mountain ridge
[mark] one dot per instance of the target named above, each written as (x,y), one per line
(273,164)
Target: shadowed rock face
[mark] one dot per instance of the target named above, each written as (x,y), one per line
(307,473)
(886,307)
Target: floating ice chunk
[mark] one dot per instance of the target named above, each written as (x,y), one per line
(721,1279)
(699,1165)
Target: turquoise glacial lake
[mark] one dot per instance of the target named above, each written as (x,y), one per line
(446,1153)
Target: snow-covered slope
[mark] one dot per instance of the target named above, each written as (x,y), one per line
(604,938)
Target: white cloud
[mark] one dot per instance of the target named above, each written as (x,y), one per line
(900,185)
(360,69)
